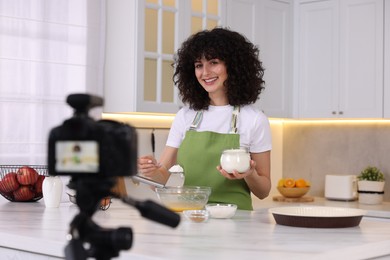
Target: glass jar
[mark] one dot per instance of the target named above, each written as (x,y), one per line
(235,159)
(177,176)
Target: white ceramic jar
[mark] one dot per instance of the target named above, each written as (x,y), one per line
(235,159)
(52,191)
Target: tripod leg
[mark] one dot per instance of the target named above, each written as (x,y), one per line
(75,250)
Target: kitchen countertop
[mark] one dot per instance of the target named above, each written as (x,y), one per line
(38,232)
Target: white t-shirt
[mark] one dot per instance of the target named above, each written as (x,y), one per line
(253,126)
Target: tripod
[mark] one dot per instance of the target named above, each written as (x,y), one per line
(87,239)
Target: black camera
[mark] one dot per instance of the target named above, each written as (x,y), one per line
(82,146)
(95,154)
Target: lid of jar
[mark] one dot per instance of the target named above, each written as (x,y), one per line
(176,168)
(239,150)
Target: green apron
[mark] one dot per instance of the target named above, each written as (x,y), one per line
(199,155)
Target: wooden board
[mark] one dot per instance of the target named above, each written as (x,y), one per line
(301,199)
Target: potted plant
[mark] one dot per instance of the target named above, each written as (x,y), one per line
(371,184)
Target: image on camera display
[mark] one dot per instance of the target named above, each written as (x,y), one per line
(77,156)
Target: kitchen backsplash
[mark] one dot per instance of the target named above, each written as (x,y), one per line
(145,141)
(314,149)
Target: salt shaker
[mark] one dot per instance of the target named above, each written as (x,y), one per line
(52,191)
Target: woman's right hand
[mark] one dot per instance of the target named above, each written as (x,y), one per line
(147,165)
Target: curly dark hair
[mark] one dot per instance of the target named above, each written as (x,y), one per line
(244,69)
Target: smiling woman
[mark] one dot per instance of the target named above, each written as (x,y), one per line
(219,77)
(49,49)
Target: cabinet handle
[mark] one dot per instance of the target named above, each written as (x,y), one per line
(333,112)
(341,112)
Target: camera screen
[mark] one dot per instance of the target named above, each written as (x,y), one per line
(77,156)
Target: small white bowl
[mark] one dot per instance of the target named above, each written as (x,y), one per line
(197,216)
(218,210)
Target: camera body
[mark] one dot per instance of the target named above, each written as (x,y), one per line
(84,147)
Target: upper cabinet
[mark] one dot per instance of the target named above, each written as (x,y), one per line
(268,24)
(156,44)
(340,52)
(387,63)
(142,37)
(322,58)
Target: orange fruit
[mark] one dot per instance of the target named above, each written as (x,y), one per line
(300,183)
(281,183)
(289,183)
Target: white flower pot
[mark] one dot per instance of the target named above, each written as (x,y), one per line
(371,199)
(377,186)
(371,192)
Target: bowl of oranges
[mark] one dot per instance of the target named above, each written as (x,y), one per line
(291,188)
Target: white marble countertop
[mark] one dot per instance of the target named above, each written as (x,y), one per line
(32,228)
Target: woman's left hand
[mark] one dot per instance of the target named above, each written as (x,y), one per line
(238,175)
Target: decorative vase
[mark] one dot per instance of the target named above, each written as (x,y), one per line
(371,192)
(52,191)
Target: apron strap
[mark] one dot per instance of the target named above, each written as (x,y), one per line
(197,119)
(233,123)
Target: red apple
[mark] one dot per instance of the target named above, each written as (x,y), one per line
(38,184)
(27,175)
(24,193)
(9,183)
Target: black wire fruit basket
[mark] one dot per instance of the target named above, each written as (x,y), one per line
(22,183)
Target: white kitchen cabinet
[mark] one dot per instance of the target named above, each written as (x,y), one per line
(120,87)
(132,64)
(138,72)
(268,24)
(340,59)
(323,58)
(141,39)
(387,63)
